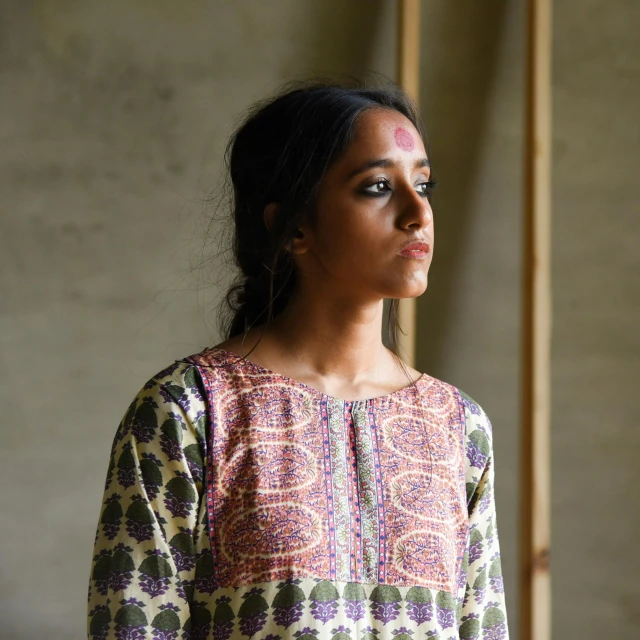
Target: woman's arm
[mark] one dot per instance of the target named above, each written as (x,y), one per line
(484,613)
(144,561)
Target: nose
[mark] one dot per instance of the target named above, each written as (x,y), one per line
(415,210)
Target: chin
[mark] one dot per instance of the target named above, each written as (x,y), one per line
(404,285)
(413,290)
(416,293)
(415,287)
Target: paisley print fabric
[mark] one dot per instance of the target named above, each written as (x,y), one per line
(242,504)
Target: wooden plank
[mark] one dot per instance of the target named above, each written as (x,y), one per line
(408,75)
(535,524)
(409,46)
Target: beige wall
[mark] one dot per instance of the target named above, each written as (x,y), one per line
(113,124)
(472,101)
(472,97)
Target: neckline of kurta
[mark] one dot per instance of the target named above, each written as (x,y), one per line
(296,383)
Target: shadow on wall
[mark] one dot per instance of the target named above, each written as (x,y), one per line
(454,99)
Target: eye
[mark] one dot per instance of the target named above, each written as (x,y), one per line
(426,188)
(379,188)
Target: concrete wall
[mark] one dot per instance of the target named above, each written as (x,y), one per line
(469,318)
(472,101)
(114,117)
(596,254)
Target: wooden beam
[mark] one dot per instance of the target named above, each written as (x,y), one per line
(535,522)
(408,75)
(409,46)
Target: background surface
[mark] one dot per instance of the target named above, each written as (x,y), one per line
(114,118)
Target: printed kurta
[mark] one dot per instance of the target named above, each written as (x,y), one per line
(241,504)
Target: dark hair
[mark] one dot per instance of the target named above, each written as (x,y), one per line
(280,153)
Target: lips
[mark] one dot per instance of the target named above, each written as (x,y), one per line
(415,249)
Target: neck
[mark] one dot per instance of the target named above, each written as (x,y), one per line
(338,338)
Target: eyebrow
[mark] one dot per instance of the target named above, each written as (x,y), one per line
(385,162)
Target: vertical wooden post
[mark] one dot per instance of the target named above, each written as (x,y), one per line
(535,522)
(408,74)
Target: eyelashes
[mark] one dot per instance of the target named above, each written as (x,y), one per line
(424,188)
(429,186)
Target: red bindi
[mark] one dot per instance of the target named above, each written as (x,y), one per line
(404,139)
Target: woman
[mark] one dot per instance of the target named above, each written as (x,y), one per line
(299,479)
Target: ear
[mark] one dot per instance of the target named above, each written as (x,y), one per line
(298,244)
(269,213)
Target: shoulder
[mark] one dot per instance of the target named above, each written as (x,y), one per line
(176,383)
(475,415)
(173,399)
(478,430)
(469,410)
(475,426)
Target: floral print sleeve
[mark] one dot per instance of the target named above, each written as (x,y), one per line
(145,559)
(483,612)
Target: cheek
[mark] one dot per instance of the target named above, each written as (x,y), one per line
(350,235)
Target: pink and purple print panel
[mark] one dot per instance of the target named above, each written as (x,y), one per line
(301,484)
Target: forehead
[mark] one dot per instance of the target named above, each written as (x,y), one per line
(385,133)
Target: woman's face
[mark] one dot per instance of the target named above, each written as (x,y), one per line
(372,202)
